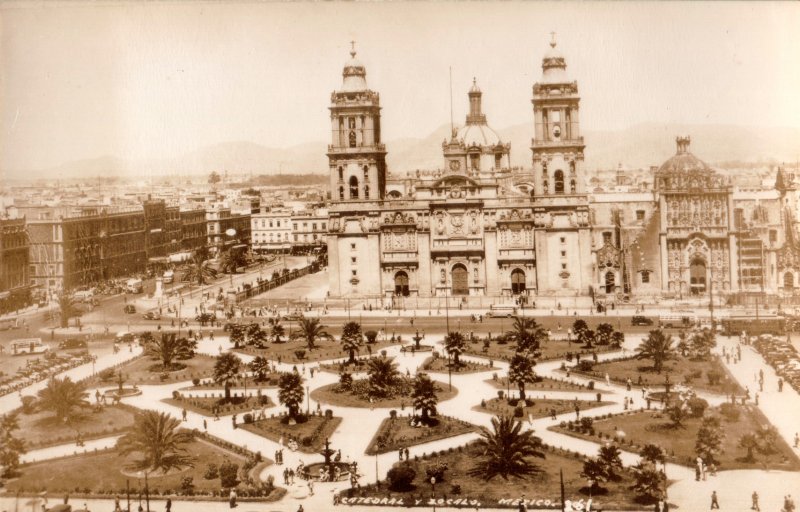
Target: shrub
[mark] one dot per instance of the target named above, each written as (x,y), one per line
(187,485)
(529,402)
(513,402)
(306,441)
(730,411)
(585,365)
(106,375)
(227,474)
(176,395)
(436,470)
(590,385)
(393,414)
(212,472)
(714,376)
(196,381)
(328,414)
(518,411)
(383,353)
(401,477)
(247,418)
(586,423)
(300,353)
(500,394)
(371,336)
(698,406)
(28,404)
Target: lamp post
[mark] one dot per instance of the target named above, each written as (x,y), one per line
(433,492)
(308,401)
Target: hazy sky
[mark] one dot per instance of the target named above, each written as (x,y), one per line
(140,80)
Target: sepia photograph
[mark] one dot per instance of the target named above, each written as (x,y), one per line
(373,256)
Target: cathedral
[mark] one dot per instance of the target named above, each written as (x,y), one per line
(481,232)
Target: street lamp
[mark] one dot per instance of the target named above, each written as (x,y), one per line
(433,492)
(308,401)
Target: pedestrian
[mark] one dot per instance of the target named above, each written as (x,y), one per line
(401,453)
(232,498)
(754,498)
(780,385)
(310,487)
(205,425)
(300,508)
(522,506)
(796,440)
(183,414)
(169,505)
(406,450)
(714,501)
(117,507)
(233,420)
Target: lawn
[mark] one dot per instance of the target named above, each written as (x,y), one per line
(205,405)
(330,394)
(441,365)
(138,371)
(545,384)
(681,370)
(102,473)
(296,352)
(43,429)
(551,349)
(539,409)
(396,433)
(654,427)
(475,492)
(310,435)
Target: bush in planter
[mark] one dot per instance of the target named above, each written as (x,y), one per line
(393,414)
(436,470)
(590,385)
(306,440)
(585,365)
(196,381)
(563,424)
(698,406)
(176,395)
(500,394)
(247,418)
(586,422)
(401,477)
(187,485)
(328,414)
(300,353)
(714,376)
(228,472)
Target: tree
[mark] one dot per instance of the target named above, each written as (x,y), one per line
(346,381)
(653,453)
(260,366)
(198,270)
(237,334)
(11,447)
(290,392)
(527,334)
(683,344)
(587,338)
(66,308)
(678,412)
(579,326)
(62,396)
(603,468)
(310,330)
(604,333)
(383,374)
(658,347)
(506,450)
(277,331)
(520,372)
(455,344)
(256,336)
(424,396)
(168,348)
(648,481)
(618,338)
(351,339)
(371,336)
(749,442)
(702,342)
(214,178)
(226,368)
(157,438)
(231,260)
(709,439)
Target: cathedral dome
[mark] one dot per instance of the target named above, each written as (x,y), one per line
(554,66)
(683,162)
(478,135)
(354,74)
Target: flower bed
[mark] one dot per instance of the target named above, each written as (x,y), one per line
(396,432)
(310,435)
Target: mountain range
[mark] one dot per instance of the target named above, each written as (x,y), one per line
(639,146)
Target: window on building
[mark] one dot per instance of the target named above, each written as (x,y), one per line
(294,237)
(563,254)
(270,223)
(354,272)
(341,173)
(645,276)
(279,223)
(773,236)
(353,187)
(559,181)
(353,260)
(294,226)
(366,173)
(563,240)
(606,237)
(640,215)
(563,266)
(352,247)
(305,225)
(324,226)
(314,226)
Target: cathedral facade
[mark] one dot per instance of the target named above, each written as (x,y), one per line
(477,228)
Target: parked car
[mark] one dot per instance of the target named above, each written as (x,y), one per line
(151,315)
(72,344)
(641,320)
(292,317)
(501,311)
(130,309)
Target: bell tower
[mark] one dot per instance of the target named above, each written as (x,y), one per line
(356,155)
(561,208)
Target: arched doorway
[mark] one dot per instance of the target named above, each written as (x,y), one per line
(353,187)
(788,281)
(697,276)
(559,179)
(460,280)
(610,282)
(401,284)
(517,282)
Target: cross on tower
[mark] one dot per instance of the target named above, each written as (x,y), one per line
(553,39)
(352,48)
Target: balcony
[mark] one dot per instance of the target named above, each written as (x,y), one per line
(375,148)
(457,246)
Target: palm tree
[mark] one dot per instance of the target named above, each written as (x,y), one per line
(506,450)
(290,392)
(230,261)
(168,348)
(11,447)
(261,367)
(62,396)
(649,481)
(424,396)
(528,334)
(199,270)
(455,344)
(66,308)
(226,368)
(578,328)
(277,331)
(156,437)
(658,347)
(256,335)
(653,453)
(604,333)
(520,372)
(311,330)
(351,339)
(383,374)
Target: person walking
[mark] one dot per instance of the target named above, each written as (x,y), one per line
(714,500)
(796,440)
(754,499)
(232,498)
(310,487)
(183,414)
(169,505)
(205,425)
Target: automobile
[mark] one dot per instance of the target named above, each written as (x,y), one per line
(169,276)
(151,315)
(125,337)
(72,343)
(501,311)
(292,317)
(641,320)
(130,309)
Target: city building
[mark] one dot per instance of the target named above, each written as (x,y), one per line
(478,228)
(15,286)
(194,231)
(226,229)
(309,230)
(271,230)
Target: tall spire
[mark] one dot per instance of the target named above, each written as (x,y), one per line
(552,39)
